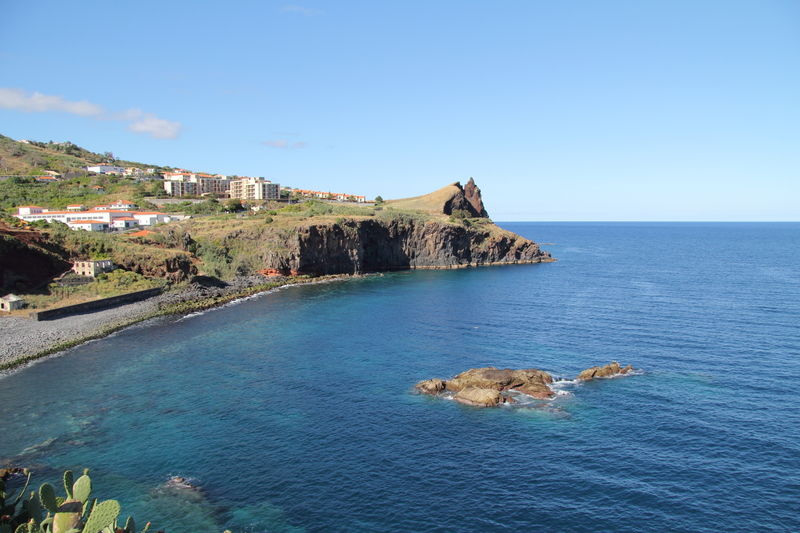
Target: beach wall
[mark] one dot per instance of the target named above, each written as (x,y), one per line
(94,305)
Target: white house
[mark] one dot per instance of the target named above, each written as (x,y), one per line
(10,302)
(93,267)
(124,222)
(106,169)
(29,209)
(119,204)
(88,225)
(150,218)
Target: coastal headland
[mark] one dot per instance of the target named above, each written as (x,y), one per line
(209,260)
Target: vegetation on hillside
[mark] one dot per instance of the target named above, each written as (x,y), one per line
(33,158)
(15,192)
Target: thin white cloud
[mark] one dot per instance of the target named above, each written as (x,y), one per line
(284,144)
(41,103)
(154,126)
(138,121)
(300,10)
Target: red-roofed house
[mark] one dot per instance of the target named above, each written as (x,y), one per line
(88,225)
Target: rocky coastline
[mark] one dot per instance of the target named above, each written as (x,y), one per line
(26,341)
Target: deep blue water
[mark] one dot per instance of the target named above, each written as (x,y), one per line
(294,410)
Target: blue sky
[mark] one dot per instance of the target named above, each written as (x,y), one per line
(580,110)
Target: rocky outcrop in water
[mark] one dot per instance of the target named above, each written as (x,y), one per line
(610,370)
(490,386)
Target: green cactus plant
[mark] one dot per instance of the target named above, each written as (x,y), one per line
(68,516)
(75,513)
(103,514)
(47,495)
(68,483)
(82,488)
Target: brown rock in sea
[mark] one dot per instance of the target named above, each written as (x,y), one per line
(490,386)
(10,471)
(609,370)
(430,386)
(485,387)
(479,397)
(490,377)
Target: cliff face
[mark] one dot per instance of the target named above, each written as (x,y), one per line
(359,246)
(27,259)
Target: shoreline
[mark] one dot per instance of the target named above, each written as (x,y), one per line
(54,336)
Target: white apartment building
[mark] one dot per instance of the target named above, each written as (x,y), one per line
(254,189)
(180,188)
(195,184)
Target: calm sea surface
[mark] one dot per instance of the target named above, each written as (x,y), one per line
(294,411)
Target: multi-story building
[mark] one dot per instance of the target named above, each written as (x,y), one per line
(200,183)
(180,188)
(92,268)
(254,189)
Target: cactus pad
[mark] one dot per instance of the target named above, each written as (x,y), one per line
(82,488)
(103,514)
(68,482)
(47,494)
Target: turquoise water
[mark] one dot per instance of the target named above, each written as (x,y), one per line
(294,411)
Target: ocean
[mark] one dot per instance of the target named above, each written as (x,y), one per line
(295,411)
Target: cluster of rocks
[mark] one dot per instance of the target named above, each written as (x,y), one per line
(490,386)
(203,287)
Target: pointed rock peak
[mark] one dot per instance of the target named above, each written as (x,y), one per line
(473,195)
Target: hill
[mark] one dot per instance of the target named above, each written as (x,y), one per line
(32,158)
(447,200)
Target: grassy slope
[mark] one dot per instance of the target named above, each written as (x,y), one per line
(31,159)
(430,203)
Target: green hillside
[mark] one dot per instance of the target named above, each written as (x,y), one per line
(33,158)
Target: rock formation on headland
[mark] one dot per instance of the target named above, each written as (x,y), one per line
(397,239)
(490,386)
(447,200)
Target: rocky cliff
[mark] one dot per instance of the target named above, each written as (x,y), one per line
(358,246)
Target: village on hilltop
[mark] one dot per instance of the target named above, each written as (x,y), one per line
(177,183)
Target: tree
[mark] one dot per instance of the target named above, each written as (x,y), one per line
(234,205)
(378,200)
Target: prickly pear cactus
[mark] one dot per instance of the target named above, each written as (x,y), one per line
(82,488)
(47,495)
(68,482)
(68,516)
(77,513)
(103,514)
